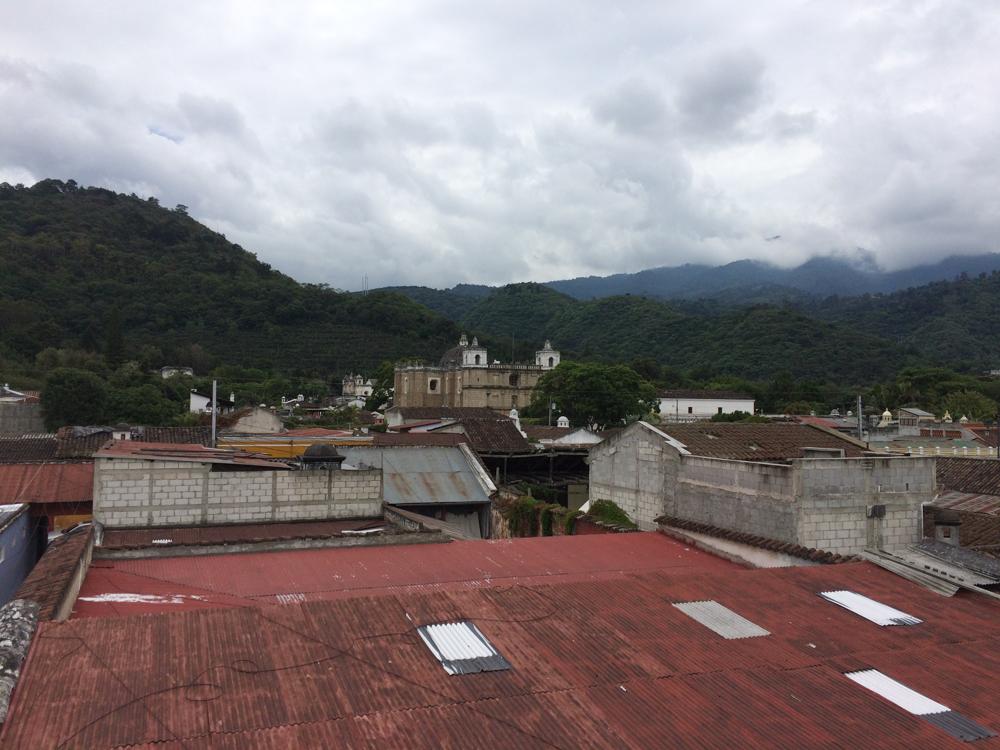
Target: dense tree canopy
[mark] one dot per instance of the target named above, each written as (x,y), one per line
(594,394)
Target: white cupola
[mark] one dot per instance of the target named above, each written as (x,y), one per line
(562,421)
(474,355)
(547,358)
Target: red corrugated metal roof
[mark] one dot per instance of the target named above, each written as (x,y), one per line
(599,663)
(333,573)
(46,483)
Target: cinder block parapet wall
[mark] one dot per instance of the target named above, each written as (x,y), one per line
(135,492)
(636,471)
(835,495)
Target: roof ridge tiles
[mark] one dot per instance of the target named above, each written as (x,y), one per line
(753,540)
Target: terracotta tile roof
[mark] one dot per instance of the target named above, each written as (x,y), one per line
(495,436)
(758,442)
(17,450)
(47,483)
(977,475)
(690,393)
(352,672)
(385,439)
(774,545)
(186,452)
(50,579)
(200,435)
(83,447)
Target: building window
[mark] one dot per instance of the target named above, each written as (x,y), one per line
(552,361)
(477,359)
(512,379)
(432,385)
(719,411)
(690,410)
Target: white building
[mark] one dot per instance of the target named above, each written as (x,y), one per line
(357,385)
(199,403)
(693,406)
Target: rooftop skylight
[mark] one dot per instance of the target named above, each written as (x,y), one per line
(461,648)
(721,620)
(913,702)
(880,614)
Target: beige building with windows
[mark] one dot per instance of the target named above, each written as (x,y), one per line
(466,377)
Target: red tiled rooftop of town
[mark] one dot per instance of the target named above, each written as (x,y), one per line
(597,661)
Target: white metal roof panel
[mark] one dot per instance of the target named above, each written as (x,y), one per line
(880,614)
(721,619)
(896,692)
(462,648)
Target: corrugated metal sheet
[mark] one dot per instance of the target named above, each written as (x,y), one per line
(721,620)
(938,714)
(461,648)
(880,614)
(595,664)
(46,483)
(422,475)
(896,692)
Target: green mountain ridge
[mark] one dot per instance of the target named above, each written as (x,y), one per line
(75,260)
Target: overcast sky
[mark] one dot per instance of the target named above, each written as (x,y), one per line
(441,142)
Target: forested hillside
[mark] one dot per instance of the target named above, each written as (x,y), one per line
(80,265)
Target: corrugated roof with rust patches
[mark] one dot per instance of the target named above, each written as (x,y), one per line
(160,537)
(411,413)
(188,452)
(316,432)
(968,502)
(758,442)
(425,475)
(596,662)
(494,436)
(47,483)
(384,439)
(50,579)
(977,475)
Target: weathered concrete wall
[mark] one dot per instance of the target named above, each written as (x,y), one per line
(20,416)
(130,492)
(637,471)
(821,503)
(834,496)
(755,498)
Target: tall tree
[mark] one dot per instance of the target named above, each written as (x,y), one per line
(114,341)
(73,397)
(595,395)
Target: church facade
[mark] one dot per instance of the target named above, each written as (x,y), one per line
(465,376)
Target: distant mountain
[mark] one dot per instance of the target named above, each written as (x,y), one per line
(74,259)
(749,280)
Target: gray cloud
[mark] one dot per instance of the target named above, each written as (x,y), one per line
(449,142)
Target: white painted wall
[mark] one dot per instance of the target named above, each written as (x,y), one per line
(691,409)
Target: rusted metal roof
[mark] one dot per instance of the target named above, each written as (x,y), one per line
(119,539)
(969,502)
(775,441)
(47,483)
(48,582)
(424,475)
(384,439)
(595,663)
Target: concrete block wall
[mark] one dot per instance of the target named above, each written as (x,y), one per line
(130,492)
(21,416)
(633,471)
(755,498)
(834,496)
